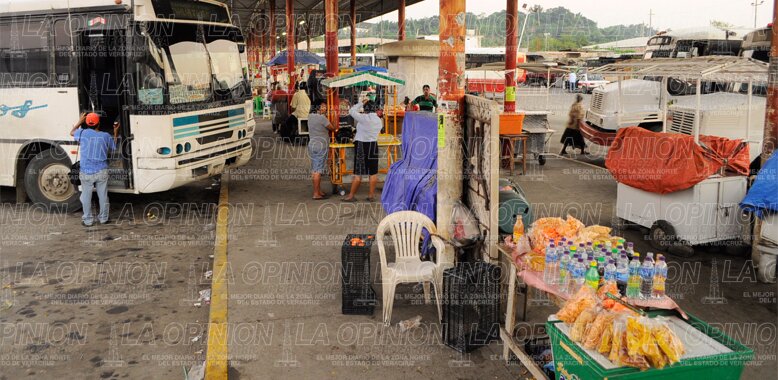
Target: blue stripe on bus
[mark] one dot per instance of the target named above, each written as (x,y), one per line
(186,120)
(236,112)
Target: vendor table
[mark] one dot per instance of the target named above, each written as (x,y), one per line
(342,159)
(507,332)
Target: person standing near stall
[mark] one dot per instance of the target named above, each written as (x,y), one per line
(367,117)
(319,128)
(572,135)
(426,101)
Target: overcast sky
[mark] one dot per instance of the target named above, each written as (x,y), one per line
(667,13)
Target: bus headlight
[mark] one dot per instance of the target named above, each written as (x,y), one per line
(163,151)
(179,148)
(187,147)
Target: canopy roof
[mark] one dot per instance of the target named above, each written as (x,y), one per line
(362,78)
(710,68)
(246,13)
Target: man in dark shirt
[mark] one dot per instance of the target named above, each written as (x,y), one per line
(426,102)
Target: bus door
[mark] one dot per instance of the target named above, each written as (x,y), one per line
(103,90)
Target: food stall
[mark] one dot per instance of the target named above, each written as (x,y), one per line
(352,86)
(606,325)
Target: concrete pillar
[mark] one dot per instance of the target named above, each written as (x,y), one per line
(451,66)
(353,21)
(291,26)
(511,29)
(401,21)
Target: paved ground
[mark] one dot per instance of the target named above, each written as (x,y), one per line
(112,301)
(65,289)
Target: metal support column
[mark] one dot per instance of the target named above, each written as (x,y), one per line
(353,22)
(401,20)
(273,42)
(331,55)
(511,26)
(290,29)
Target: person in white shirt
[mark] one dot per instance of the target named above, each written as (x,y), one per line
(369,125)
(573,80)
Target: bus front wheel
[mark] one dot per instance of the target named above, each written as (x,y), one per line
(47,183)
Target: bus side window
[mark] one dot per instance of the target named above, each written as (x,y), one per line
(24,54)
(63,53)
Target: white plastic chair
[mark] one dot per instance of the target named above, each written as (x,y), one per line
(406,231)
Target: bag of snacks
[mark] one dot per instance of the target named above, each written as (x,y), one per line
(595,330)
(583,299)
(668,342)
(586,317)
(604,346)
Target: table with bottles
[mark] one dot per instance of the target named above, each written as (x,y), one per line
(564,271)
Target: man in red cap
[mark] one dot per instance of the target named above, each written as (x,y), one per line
(94,147)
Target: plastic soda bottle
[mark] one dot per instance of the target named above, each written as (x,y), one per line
(564,276)
(601,265)
(592,276)
(647,276)
(622,273)
(660,277)
(590,248)
(610,272)
(518,230)
(630,248)
(633,282)
(548,270)
(577,277)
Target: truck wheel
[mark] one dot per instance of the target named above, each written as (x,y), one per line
(661,235)
(47,183)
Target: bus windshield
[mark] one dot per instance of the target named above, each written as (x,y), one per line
(198,63)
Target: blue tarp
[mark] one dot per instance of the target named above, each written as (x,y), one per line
(370,68)
(412,182)
(763,194)
(301,57)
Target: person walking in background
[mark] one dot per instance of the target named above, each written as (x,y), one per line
(572,80)
(94,147)
(426,101)
(319,128)
(572,135)
(368,125)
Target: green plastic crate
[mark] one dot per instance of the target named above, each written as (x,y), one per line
(572,362)
(259,105)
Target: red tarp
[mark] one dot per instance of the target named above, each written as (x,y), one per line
(667,162)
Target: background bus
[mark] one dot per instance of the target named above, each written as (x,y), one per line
(756,44)
(175,83)
(694,42)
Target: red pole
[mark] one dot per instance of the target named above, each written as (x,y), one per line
(771,117)
(331,55)
(272,28)
(290,29)
(511,29)
(401,21)
(353,17)
(451,66)
(262,36)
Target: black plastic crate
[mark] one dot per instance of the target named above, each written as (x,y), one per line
(471,305)
(359,303)
(357,291)
(535,347)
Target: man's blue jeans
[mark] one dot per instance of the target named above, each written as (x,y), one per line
(89,182)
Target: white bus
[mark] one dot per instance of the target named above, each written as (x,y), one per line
(169,71)
(694,42)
